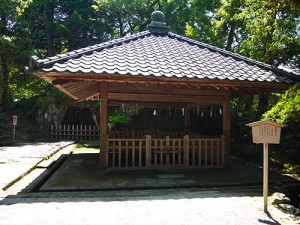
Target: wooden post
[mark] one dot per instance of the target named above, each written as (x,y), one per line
(186,150)
(265,132)
(226,127)
(168,150)
(148,151)
(223,150)
(187,116)
(265,192)
(103,156)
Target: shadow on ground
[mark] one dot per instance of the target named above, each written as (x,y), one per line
(80,172)
(76,178)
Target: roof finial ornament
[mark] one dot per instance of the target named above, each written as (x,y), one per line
(157,24)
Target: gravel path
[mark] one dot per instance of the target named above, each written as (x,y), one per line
(174,207)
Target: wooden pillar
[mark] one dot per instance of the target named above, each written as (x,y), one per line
(103,157)
(227,126)
(187,119)
(266,171)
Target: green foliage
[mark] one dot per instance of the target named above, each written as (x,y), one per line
(287,110)
(291,169)
(272,33)
(119,118)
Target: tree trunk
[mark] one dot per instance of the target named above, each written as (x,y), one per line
(230,38)
(5,91)
(121,26)
(49,26)
(263,104)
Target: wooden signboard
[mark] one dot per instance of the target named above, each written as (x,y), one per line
(15,120)
(266,132)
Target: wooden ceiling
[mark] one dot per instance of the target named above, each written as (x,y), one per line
(158,92)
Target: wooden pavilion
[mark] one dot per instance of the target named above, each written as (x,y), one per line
(157,68)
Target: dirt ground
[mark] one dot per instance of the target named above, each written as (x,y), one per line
(162,206)
(181,206)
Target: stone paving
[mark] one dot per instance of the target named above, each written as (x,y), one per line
(80,172)
(17,160)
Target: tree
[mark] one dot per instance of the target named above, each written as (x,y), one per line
(126,16)
(201,15)
(6,48)
(229,24)
(272,33)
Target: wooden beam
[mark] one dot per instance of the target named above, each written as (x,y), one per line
(163,98)
(103,156)
(162,105)
(162,80)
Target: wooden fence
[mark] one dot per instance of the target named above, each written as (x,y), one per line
(89,132)
(150,153)
(74,132)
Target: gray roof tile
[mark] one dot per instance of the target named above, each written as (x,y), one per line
(168,55)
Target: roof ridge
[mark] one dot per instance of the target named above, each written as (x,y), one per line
(232,54)
(37,62)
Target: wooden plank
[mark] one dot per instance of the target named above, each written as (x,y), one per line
(173,152)
(200,153)
(218,153)
(161,152)
(193,152)
(167,150)
(126,156)
(212,152)
(148,151)
(205,152)
(119,153)
(133,153)
(186,150)
(223,151)
(179,152)
(155,152)
(140,153)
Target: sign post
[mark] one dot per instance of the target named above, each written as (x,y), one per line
(15,120)
(266,132)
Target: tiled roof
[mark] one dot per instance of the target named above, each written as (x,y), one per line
(161,55)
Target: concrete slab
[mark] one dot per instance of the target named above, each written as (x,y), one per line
(80,172)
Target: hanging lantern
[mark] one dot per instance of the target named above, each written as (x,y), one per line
(202,114)
(211,112)
(182,111)
(220,110)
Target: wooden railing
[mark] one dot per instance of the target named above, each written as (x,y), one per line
(74,132)
(150,153)
(142,134)
(126,153)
